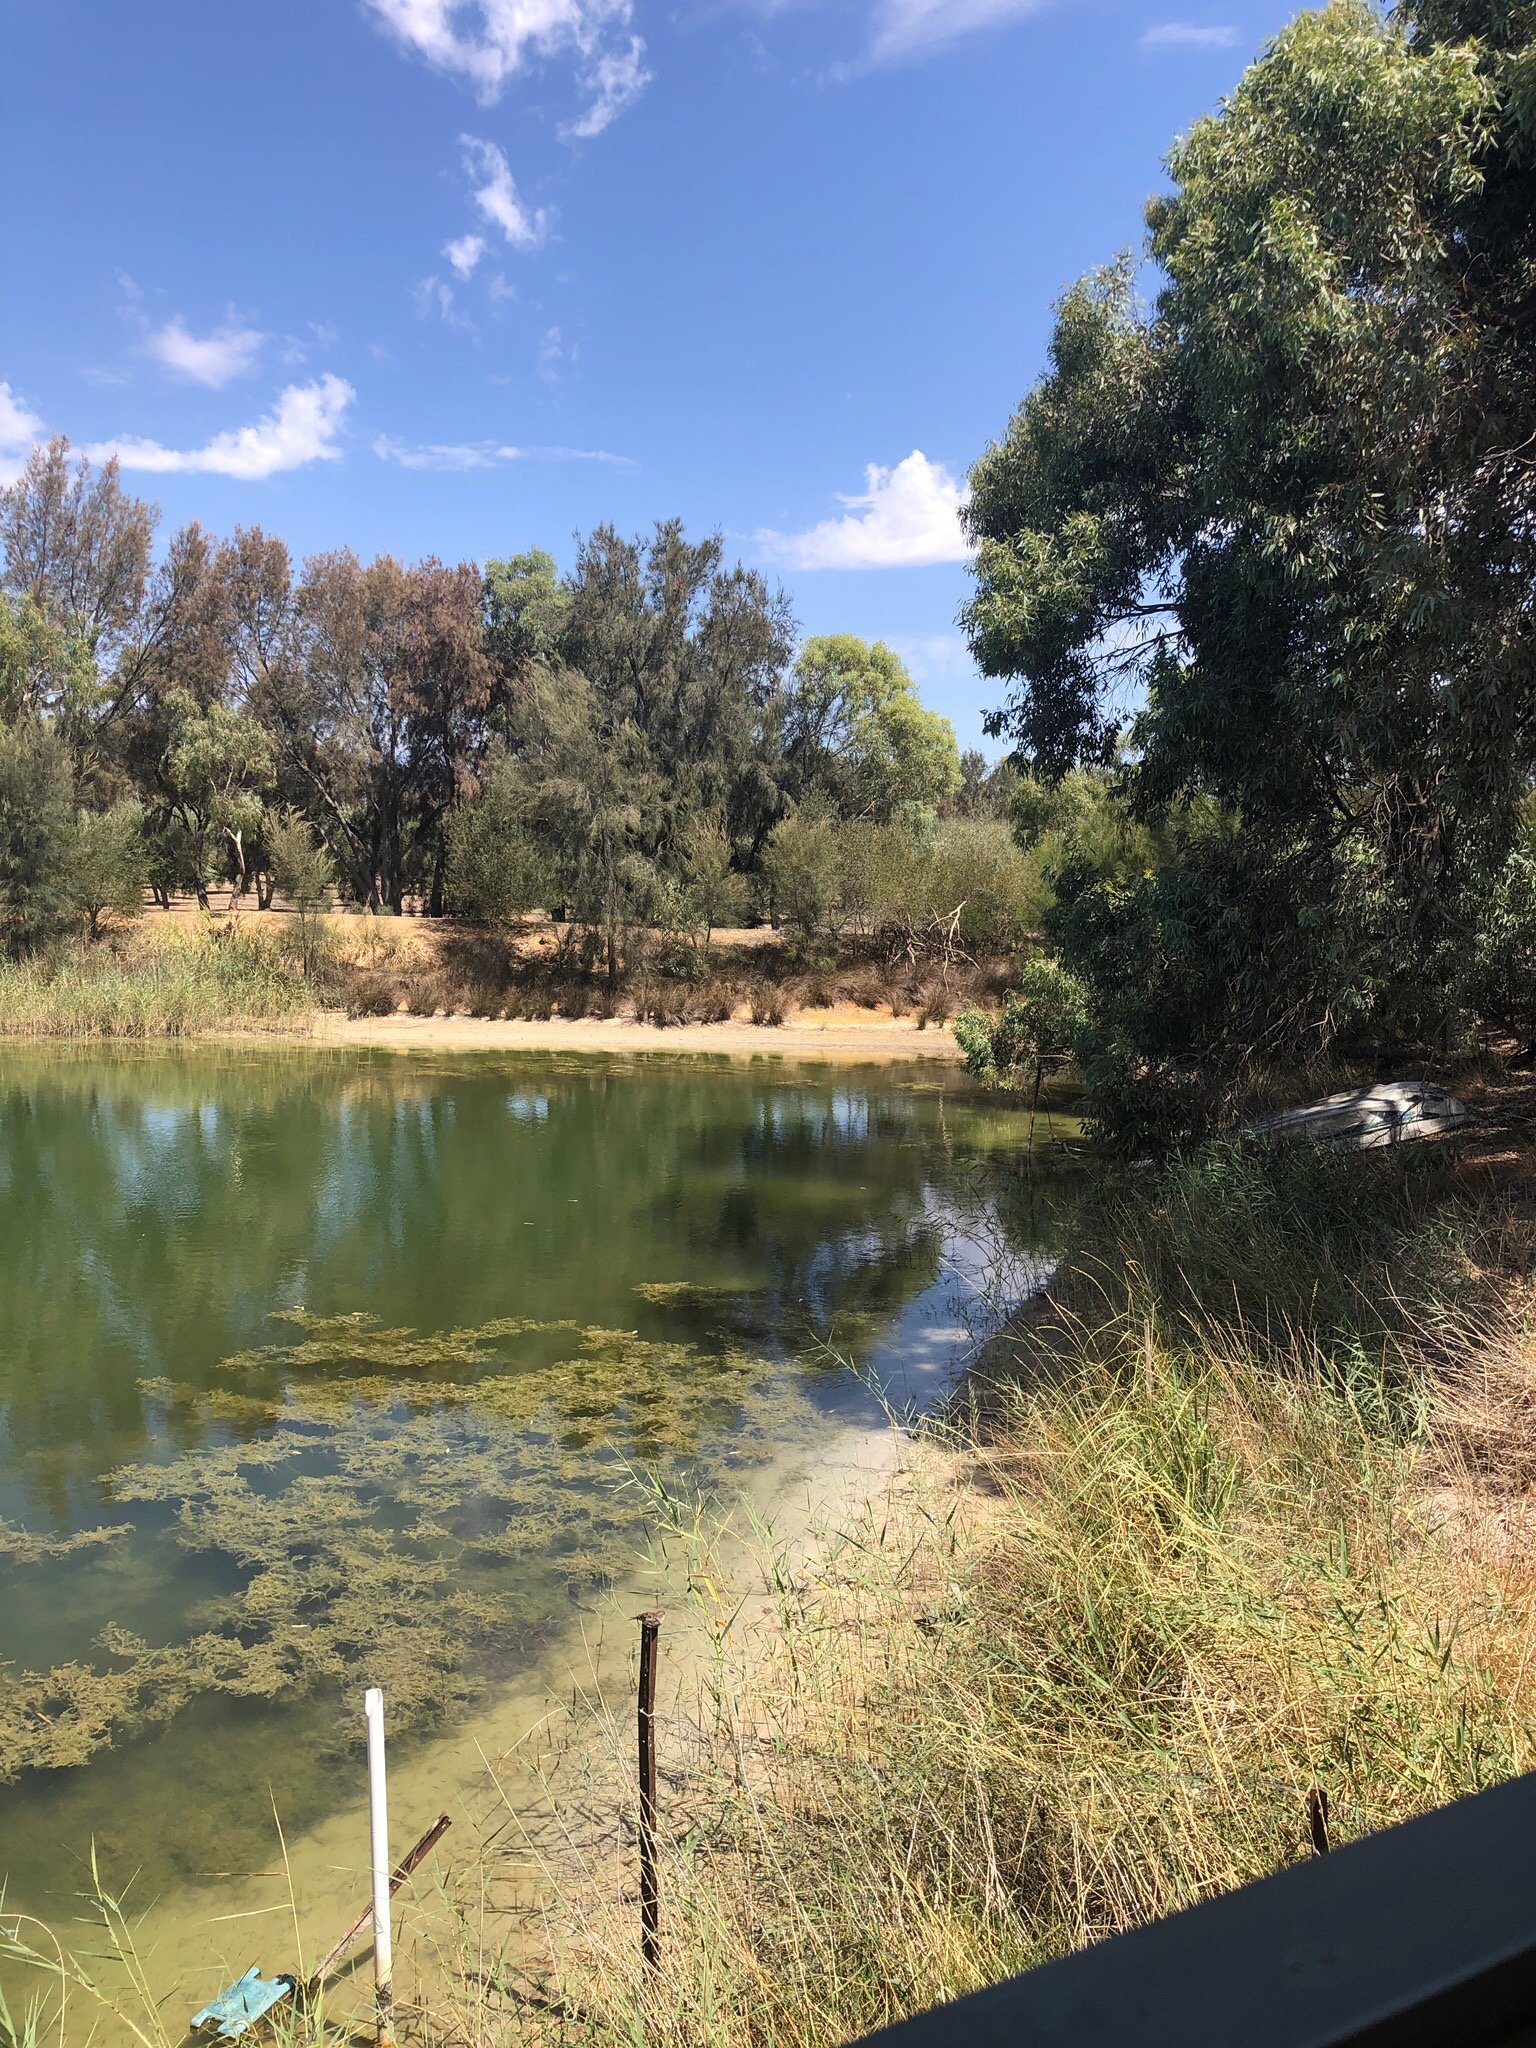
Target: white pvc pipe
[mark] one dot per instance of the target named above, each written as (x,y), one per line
(378,1829)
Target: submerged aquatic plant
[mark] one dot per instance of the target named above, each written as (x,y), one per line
(367,1514)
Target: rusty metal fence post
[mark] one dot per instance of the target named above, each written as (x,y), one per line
(650,1890)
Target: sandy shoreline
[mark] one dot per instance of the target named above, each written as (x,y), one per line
(845,1033)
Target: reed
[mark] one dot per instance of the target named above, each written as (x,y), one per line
(1244,1511)
(157,983)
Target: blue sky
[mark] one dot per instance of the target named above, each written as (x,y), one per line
(461,277)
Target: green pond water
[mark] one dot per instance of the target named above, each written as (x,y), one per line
(322,1369)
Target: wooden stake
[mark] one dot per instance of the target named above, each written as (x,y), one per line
(408,1863)
(650,1891)
(378,1835)
(1317,1820)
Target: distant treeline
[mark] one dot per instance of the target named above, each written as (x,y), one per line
(624,745)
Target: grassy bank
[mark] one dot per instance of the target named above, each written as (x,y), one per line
(157,982)
(177,976)
(1245,1511)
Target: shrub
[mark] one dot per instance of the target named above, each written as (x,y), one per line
(37,822)
(107,866)
(1042,1020)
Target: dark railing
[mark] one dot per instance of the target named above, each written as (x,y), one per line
(1423,1934)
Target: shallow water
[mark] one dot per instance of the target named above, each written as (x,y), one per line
(345,1368)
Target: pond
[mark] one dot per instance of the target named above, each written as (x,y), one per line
(323,1369)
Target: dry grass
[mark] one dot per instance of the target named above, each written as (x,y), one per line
(158,982)
(184,972)
(1245,1512)
(1245,1509)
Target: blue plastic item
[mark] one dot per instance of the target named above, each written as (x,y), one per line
(238,2009)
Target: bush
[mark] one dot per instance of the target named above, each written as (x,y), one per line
(922,886)
(1042,1020)
(301,870)
(803,866)
(976,871)
(37,822)
(107,866)
(495,871)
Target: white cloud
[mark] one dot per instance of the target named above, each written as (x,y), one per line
(465,253)
(462,455)
(906,518)
(488,42)
(913,28)
(19,428)
(433,296)
(1187,35)
(213,359)
(552,352)
(497,196)
(935,657)
(301,429)
(615,79)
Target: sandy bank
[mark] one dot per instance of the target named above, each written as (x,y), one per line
(843,1033)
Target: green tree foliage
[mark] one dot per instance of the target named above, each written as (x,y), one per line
(495,873)
(1504,970)
(214,778)
(1286,507)
(856,736)
(527,606)
(948,883)
(302,872)
(1042,1020)
(617,744)
(37,818)
(40,666)
(985,789)
(107,865)
(641,710)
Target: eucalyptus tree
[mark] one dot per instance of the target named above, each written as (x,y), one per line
(387,711)
(1284,516)
(76,553)
(857,738)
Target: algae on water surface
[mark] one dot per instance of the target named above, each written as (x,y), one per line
(369,1519)
(316,1369)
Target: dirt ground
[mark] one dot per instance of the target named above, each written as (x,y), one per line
(842,1033)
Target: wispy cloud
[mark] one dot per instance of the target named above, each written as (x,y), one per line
(496,196)
(614,80)
(905,518)
(488,42)
(19,428)
(1187,35)
(903,29)
(214,359)
(465,253)
(432,295)
(552,353)
(463,455)
(303,427)
(935,657)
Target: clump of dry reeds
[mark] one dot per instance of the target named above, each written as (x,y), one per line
(1243,1514)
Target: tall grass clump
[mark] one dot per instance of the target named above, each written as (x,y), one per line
(157,984)
(1241,1511)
